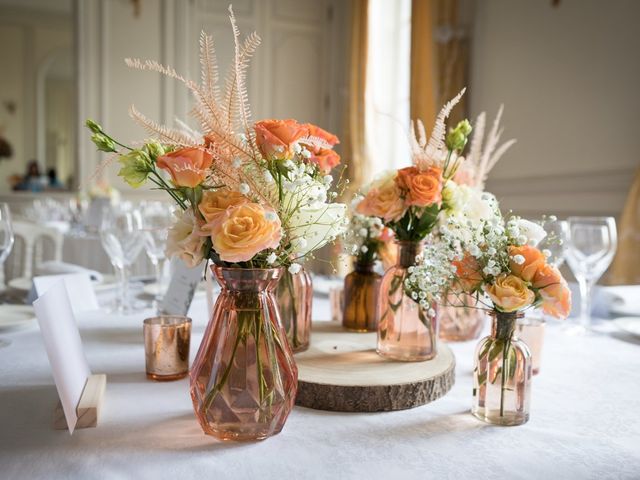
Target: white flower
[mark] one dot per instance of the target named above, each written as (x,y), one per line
(364,249)
(306,153)
(244,188)
(327,179)
(363,232)
(272,258)
(268,177)
(518,259)
(533,232)
(294,268)
(270,215)
(318,225)
(236,162)
(546,252)
(184,239)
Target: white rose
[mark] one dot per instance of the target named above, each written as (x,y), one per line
(533,232)
(184,239)
(318,226)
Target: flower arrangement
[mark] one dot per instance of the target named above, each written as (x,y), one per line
(249,194)
(367,238)
(409,200)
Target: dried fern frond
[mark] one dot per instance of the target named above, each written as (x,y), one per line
(315,142)
(166,134)
(436,141)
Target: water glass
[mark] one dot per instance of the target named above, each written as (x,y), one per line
(156,220)
(122,238)
(6,242)
(591,245)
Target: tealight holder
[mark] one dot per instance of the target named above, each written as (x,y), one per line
(166,347)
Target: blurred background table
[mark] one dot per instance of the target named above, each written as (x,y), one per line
(584,421)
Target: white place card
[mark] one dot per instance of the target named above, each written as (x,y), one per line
(64,348)
(182,287)
(79,289)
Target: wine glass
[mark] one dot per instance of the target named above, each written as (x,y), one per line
(6,243)
(156,220)
(122,238)
(591,245)
(555,241)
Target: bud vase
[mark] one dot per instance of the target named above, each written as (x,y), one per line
(295,295)
(361,289)
(244,379)
(406,331)
(460,319)
(502,374)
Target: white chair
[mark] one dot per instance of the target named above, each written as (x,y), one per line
(32,243)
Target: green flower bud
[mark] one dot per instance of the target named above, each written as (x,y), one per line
(93,126)
(136,166)
(155,149)
(457,138)
(104,143)
(465,127)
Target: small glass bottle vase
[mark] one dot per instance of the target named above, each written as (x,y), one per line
(361,289)
(244,379)
(502,374)
(405,331)
(295,296)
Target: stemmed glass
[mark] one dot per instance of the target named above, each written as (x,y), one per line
(122,238)
(156,220)
(591,245)
(6,243)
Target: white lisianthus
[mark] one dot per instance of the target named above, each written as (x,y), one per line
(318,226)
(184,239)
(533,232)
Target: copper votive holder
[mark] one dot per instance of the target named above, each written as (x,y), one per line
(166,347)
(530,330)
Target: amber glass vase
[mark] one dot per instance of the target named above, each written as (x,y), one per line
(460,319)
(405,331)
(244,380)
(295,295)
(502,374)
(361,289)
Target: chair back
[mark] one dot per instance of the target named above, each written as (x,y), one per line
(33,244)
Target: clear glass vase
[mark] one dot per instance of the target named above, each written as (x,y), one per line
(460,319)
(405,331)
(502,374)
(295,296)
(361,289)
(244,379)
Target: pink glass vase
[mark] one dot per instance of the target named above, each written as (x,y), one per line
(460,318)
(244,379)
(295,296)
(502,374)
(406,332)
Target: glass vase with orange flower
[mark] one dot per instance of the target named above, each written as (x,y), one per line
(295,296)
(409,202)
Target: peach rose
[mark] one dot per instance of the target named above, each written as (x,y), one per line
(184,239)
(383,200)
(469,273)
(555,293)
(525,261)
(423,187)
(275,138)
(325,159)
(187,166)
(245,230)
(215,202)
(510,293)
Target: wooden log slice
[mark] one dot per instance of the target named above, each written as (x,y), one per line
(341,371)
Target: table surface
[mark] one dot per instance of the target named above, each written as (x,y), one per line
(584,420)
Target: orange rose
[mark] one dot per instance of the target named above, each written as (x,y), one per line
(383,200)
(275,138)
(555,293)
(314,131)
(525,261)
(215,202)
(469,273)
(245,230)
(423,187)
(187,166)
(510,293)
(325,159)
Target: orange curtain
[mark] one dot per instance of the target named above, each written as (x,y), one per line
(626,265)
(423,63)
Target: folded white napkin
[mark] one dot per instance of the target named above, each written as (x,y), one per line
(53,267)
(622,298)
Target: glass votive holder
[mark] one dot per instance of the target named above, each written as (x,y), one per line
(530,329)
(336,301)
(166,347)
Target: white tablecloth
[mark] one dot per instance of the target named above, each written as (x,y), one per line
(585,421)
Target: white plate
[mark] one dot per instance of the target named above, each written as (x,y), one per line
(625,310)
(629,324)
(24,283)
(16,316)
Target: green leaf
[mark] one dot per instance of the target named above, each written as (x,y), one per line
(496,349)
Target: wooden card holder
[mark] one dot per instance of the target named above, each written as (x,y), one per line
(89,406)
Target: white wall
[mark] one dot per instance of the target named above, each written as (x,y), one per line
(569,79)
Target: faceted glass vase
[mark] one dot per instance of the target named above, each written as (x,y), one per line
(295,296)
(460,319)
(405,331)
(361,288)
(244,379)
(502,374)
